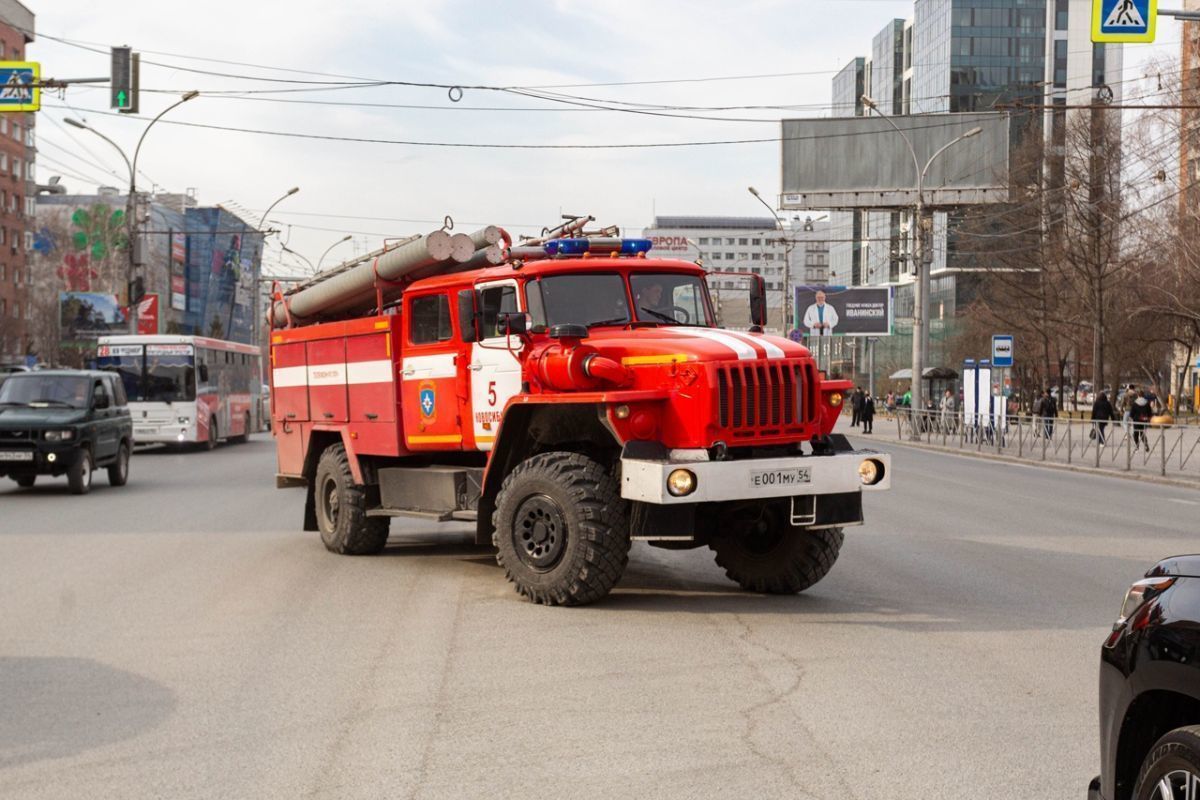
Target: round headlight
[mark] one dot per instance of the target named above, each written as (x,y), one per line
(835,399)
(621,412)
(681,482)
(870,472)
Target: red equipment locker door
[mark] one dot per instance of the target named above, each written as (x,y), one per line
(327,380)
(371,375)
(289,405)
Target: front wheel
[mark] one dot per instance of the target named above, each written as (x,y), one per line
(79,475)
(759,549)
(118,471)
(561,529)
(1172,770)
(342,508)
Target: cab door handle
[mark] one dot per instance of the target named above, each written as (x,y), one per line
(474,367)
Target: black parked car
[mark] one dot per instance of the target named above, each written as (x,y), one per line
(1150,690)
(64,421)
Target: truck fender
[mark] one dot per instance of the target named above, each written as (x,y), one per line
(530,428)
(321,438)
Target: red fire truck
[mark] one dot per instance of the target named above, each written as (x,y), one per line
(567,395)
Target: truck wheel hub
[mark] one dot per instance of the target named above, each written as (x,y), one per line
(540,532)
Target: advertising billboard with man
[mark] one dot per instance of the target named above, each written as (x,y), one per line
(844,311)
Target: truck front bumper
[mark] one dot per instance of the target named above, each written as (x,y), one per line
(646,480)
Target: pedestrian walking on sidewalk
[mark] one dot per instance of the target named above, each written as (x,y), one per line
(948,406)
(1049,413)
(1102,412)
(856,404)
(1140,415)
(868,413)
(1127,401)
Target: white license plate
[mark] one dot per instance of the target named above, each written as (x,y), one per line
(16,455)
(145,431)
(776,478)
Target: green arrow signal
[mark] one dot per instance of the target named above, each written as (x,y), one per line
(121,99)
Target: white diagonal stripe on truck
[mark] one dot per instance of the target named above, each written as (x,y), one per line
(744,351)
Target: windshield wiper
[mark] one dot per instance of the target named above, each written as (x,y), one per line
(664,317)
(614,321)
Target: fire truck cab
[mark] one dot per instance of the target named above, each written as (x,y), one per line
(569,400)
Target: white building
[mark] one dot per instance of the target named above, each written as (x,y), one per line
(749,245)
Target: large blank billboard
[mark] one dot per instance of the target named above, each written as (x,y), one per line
(863,162)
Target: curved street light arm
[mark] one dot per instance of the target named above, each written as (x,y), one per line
(133,167)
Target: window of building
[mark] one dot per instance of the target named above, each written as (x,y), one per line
(3,272)
(17,167)
(28,240)
(17,276)
(16,310)
(730,257)
(703,240)
(1060,63)
(756,242)
(16,203)
(4,125)
(716,256)
(16,133)
(768,256)
(30,207)
(29,170)
(729,241)
(1098,64)
(1061,14)
(430,319)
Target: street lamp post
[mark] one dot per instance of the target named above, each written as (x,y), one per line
(920,345)
(258,284)
(787,261)
(345,238)
(131,200)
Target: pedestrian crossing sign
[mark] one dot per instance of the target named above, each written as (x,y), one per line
(19,86)
(1126,21)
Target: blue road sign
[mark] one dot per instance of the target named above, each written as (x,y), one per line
(1124,20)
(1002,351)
(19,86)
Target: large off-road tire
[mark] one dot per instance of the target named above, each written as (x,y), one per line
(79,474)
(760,550)
(342,508)
(118,471)
(561,529)
(1172,769)
(25,481)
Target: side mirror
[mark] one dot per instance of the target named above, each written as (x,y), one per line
(513,323)
(202,371)
(758,301)
(468,318)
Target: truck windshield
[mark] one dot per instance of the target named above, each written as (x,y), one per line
(581,299)
(669,298)
(66,391)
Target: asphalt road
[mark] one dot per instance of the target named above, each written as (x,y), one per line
(180,637)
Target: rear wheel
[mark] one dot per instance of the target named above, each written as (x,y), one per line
(1172,770)
(760,550)
(25,481)
(342,508)
(118,471)
(244,436)
(561,529)
(79,475)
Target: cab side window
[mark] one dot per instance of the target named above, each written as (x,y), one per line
(99,393)
(430,319)
(496,300)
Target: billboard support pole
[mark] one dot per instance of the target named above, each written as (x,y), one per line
(921,285)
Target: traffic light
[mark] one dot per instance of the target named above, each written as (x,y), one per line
(124,80)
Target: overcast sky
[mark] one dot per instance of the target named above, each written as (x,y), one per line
(378,190)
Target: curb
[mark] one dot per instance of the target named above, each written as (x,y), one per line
(985,456)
